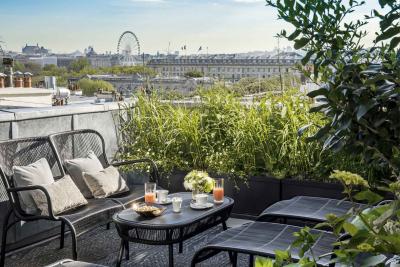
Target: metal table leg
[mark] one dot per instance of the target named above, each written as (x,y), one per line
(120,253)
(171,255)
(127,250)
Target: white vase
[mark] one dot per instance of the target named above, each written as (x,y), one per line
(194,193)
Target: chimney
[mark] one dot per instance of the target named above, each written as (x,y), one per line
(18,79)
(2,80)
(27,80)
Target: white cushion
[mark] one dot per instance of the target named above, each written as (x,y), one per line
(76,167)
(37,173)
(105,182)
(64,195)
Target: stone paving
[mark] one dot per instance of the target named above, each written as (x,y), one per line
(101,246)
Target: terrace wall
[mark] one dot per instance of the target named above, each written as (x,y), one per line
(28,122)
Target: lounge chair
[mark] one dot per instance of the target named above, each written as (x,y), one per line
(22,152)
(306,209)
(262,239)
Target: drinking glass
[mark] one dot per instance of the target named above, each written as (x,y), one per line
(150,192)
(218,191)
(176,204)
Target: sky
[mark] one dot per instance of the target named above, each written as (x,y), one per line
(224,26)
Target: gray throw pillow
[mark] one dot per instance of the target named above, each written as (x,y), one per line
(76,167)
(64,195)
(37,173)
(105,183)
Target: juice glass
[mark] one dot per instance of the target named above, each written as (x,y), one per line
(150,192)
(218,191)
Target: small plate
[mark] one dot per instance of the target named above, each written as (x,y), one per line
(194,206)
(165,202)
(150,213)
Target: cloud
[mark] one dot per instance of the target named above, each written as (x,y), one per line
(148,1)
(248,1)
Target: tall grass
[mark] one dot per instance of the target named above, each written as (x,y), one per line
(222,135)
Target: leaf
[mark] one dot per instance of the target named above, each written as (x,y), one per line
(321,91)
(394,43)
(307,57)
(294,35)
(350,228)
(282,255)
(303,129)
(369,196)
(319,107)
(300,43)
(363,109)
(321,132)
(389,33)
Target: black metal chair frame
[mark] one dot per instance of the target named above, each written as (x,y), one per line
(20,215)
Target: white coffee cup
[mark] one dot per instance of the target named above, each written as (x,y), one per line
(162,195)
(201,199)
(176,204)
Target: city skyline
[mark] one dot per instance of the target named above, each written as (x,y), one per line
(224,26)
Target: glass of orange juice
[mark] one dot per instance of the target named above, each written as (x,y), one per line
(218,191)
(150,192)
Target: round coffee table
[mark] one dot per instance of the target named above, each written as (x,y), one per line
(169,228)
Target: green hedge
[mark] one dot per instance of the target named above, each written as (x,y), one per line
(89,87)
(222,135)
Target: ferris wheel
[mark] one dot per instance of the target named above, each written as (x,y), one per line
(128,45)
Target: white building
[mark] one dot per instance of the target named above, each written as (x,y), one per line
(228,66)
(43,61)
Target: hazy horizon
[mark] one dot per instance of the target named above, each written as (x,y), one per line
(224,26)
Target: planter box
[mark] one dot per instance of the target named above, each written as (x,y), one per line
(252,199)
(262,191)
(292,188)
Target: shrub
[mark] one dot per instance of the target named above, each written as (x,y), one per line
(89,87)
(222,135)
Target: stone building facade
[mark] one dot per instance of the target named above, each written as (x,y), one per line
(227,66)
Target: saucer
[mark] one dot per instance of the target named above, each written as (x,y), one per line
(195,206)
(167,201)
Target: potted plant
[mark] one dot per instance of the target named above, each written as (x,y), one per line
(198,182)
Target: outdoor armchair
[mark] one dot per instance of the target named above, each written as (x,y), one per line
(22,152)
(78,143)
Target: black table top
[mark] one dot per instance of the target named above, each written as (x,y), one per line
(170,219)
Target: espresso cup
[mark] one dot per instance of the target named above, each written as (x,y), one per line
(162,195)
(201,199)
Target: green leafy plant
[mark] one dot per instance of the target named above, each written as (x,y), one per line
(89,87)
(198,180)
(359,86)
(223,136)
(359,91)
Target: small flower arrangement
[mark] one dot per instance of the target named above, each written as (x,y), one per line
(198,180)
(348,178)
